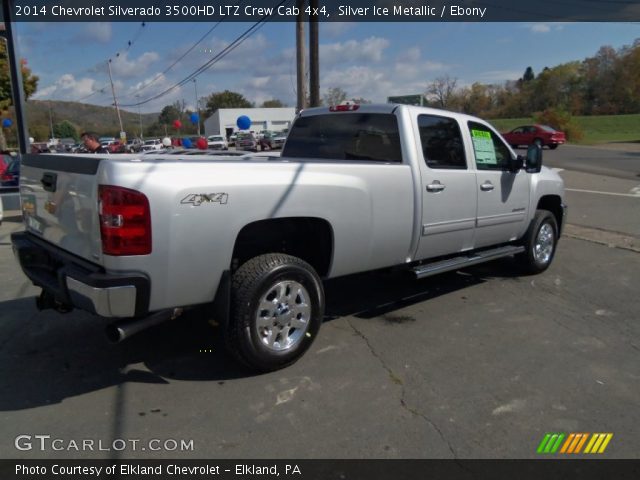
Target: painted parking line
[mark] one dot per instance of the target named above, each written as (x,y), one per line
(635,194)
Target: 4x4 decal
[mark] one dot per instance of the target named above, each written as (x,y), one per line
(197,199)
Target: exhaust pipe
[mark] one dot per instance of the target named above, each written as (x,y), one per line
(119,331)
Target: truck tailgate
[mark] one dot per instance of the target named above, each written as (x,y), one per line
(59,201)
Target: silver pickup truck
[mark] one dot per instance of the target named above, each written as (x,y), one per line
(140,238)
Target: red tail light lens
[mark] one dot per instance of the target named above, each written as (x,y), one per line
(344,108)
(125,221)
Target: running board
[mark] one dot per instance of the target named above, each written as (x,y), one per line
(457,263)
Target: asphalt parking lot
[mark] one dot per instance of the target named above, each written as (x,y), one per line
(479,363)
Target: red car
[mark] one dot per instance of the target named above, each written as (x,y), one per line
(535,134)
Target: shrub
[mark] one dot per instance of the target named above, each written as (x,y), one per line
(560,120)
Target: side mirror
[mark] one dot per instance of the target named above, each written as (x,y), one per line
(515,164)
(533,162)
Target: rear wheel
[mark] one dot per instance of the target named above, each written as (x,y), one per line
(553,146)
(278,304)
(539,242)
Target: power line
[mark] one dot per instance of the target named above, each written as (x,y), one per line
(219,56)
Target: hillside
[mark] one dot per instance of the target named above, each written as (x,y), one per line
(102,120)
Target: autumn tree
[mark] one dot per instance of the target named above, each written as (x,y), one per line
(29,85)
(441,91)
(334,96)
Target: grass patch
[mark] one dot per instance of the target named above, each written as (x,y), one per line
(597,129)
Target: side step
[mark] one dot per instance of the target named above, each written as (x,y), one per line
(456,263)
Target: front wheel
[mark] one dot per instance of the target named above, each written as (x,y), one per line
(277,310)
(540,242)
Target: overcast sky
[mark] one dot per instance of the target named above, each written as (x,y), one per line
(369,60)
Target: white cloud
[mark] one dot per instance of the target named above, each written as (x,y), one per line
(545,27)
(95,32)
(353,51)
(121,66)
(67,87)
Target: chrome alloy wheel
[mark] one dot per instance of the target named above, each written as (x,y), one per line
(544,244)
(283,315)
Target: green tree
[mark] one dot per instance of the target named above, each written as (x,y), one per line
(273,103)
(226,99)
(65,129)
(528,75)
(29,85)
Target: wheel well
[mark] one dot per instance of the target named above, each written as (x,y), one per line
(552,203)
(308,238)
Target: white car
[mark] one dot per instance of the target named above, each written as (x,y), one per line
(153,144)
(217,142)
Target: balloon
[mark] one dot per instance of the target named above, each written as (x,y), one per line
(194,118)
(202,143)
(31,139)
(6,123)
(166,141)
(186,143)
(177,123)
(243,122)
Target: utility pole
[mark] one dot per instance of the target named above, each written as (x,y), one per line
(51,122)
(195,85)
(300,57)
(314,56)
(140,117)
(115,101)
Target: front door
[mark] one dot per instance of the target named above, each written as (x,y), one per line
(503,196)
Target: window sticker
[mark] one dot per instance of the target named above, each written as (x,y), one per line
(483,146)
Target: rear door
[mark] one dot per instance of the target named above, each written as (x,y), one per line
(448,188)
(502,196)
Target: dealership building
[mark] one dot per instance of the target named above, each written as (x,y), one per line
(224,120)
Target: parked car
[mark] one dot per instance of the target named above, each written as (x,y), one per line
(5,160)
(535,135)
(134,145)
(153,144)
(232,139)
(247,141)
(278,139)
(217,142)
(11,176)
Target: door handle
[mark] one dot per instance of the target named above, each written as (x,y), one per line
(487,187)
(436,186)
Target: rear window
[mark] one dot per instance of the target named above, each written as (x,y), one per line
(345,136)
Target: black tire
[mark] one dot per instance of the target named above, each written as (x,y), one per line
(553,146)
(260,338)
(539,247)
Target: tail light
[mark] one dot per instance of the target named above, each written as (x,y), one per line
(344,107)
(6,177)
(125,221)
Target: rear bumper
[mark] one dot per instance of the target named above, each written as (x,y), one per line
(76,282)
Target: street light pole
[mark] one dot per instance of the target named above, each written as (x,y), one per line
(195,85)
(115,101)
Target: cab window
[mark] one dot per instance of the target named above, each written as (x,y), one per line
(490,151)
(442,144)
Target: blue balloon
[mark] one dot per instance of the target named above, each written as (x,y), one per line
(243,122)
(186,143)
(6,123)
(194,118)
